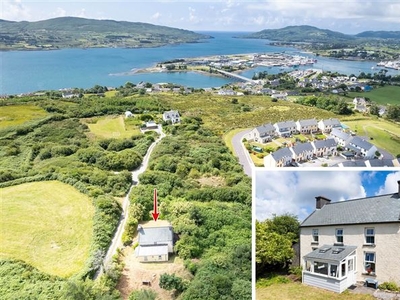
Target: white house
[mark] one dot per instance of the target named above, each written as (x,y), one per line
(341,137)
(348,241)
(360,104)
(285,128)
(172,115)
(281,158)
(325,147)
(262,134)
(155,240)
(361,147)
(128,114)
(328,124)
(307,126)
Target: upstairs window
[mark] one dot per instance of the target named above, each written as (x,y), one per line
(339,235)
(315,235)
(370,236)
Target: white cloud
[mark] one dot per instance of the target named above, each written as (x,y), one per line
(390,185)
(156,16)
(60,12)
(14,10)
(279,192)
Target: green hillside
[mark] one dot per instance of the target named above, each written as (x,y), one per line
(72,32)
(380,34)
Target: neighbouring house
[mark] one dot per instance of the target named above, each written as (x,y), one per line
(281,96)
(281,158)
(302,152)
(341,137)
(156,241)
(344,242)
(352,163)
(328,124)
(325,147)
(360,104)
(373,163)
(228,92)
(307,126)
(262,134)
(361,147)
(151,125)
(285,128)
(172,116)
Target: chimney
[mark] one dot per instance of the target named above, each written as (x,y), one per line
(321,201)
(398,189)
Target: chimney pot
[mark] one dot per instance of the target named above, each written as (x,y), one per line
(321,201)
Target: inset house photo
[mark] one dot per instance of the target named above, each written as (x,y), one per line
(321,233)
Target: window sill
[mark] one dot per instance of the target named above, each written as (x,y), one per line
(338,244)
(314,243)
(369,245)
(368,274)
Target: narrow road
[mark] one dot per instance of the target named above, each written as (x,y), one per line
(117,239)
(242,153)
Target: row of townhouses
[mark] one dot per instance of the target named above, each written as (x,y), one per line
(344,242)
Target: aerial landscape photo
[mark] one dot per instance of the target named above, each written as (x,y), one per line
(132,136)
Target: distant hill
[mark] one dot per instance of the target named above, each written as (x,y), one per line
(380,34)
(72,32)
(303,33)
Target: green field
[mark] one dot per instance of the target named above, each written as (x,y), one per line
(111,127)
(384,134)
(298,291)
(384,95)
(46,224)
(18,114)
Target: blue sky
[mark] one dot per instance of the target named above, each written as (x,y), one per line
(294,192)
(351,16)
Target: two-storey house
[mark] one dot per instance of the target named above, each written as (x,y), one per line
(307,126)
(262,134)
(285,128)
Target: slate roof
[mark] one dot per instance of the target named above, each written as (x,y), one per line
(171,114)
(378,209)
(281,153)
(151,250)
(361,143)
(155,235)
(331,254)
(308,122)
(325,143)
(302,147)
(264,129)
(285,124)
(331,122)
(340,134)
(381,163)
(356,163)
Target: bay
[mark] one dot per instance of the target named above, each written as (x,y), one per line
(29,71)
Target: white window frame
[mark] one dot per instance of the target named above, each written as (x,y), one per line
(339,236)
(367,235)
(373,261)
(315,235)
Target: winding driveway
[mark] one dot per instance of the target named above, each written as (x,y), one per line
(241,152)
(117,239)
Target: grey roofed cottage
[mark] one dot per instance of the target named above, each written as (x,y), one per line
(263,133)
(302,151)
(280,158)
(327,125)
(325,147)
(307,126)
(361,146)
(285,128)
(340,136)
(172,115)
(364,234)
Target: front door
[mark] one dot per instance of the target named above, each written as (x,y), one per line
(351,270)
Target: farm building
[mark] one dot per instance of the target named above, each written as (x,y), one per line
(155,240)
(348,241)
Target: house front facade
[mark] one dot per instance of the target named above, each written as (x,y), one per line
(281,158)
(302,152)
(262,134)
(351,241)
(327,125)
(285,128)
(362,147)
(325,147)
(307,126)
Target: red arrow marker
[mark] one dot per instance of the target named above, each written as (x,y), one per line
(155,213)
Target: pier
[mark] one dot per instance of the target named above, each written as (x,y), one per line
(233,75)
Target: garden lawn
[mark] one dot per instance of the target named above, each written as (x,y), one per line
(386,135)
(111,127)
(298,291)
(46,224)
(18,114)
(384,95)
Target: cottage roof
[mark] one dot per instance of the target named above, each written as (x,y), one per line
(381,163)
(308,122)
(265,128)
(281,153)
(331,253)
(285,124)
(325,143)
(331,122)
(171,113)
(154,235)
(378,209)
(152,250)
(302,147)
(359,142)
(356,163)
(340,134)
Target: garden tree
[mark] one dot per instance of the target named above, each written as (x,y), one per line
(374,109)
(172,282)
(143,294)
(393,112)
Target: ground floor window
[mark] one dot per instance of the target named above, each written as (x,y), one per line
(369,262)
(320,268)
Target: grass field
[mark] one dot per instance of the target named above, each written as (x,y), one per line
(111,127)
(46,224)
(19,114)
(385,134)
(298,291)
(383,95)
